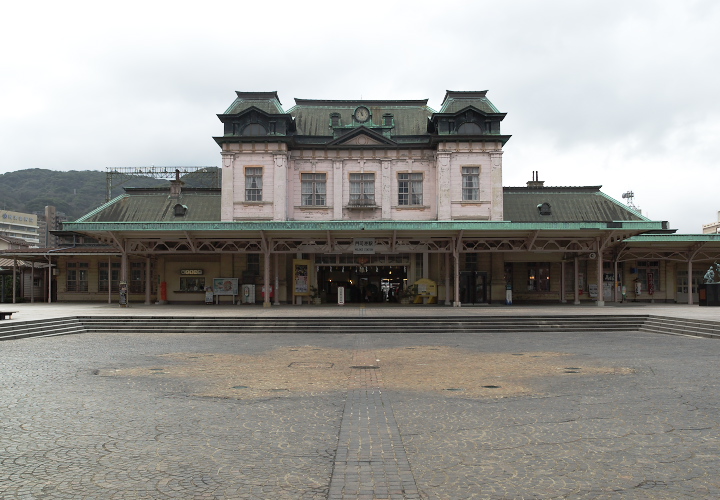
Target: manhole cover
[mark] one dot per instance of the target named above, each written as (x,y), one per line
(240,387)
(491,386)
(310,364)
(278,390)
(156,369)
(571,368)
(518,354)
(571,371)
(365,367)
(454,389)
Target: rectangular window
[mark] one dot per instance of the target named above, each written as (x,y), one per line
(410,189)
(313,190)
(253,263)
(538,277)
(108,277)
(253,183)
(470,183)
(362,189)
(192,284)
(137,277)
(77,276)
(471,262)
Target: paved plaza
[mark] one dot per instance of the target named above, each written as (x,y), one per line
(359,416)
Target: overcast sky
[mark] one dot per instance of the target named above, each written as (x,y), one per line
(622,93)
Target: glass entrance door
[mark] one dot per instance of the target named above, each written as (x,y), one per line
(473,287)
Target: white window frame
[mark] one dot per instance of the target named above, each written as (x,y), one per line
(471,183)
(253,183)
(410,188)
(313,189)
(362,188)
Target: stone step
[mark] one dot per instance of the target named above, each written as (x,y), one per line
(343,325)
(41,328)
(682,326)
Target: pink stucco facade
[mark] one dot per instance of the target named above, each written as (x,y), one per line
(441,172)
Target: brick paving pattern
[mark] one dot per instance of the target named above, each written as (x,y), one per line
(370,462)
(122,416)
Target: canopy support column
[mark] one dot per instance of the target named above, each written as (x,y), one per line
(600,290)
(690,282)
(277,280)
(14,278)
(576,282)
(448,291)
(147,280)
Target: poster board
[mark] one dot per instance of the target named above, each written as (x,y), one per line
(426,287)
(301,277)
(225,286)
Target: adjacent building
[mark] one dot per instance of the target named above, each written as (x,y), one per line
(19,225)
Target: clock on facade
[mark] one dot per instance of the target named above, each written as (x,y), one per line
(362,114)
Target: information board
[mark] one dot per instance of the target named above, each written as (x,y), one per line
(225,286)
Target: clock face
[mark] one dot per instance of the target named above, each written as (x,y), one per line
(362,114)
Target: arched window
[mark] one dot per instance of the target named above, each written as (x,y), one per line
(469,128)
(254,129)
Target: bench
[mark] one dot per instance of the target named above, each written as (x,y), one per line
(6,314)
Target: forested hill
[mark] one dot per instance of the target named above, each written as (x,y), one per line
(76,192)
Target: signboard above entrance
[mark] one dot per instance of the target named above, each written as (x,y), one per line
(363,245)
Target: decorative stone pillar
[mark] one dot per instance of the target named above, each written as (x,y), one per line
(337,189)
(444,195)
(385,188)
(280,194)
(496,196)
(227,195)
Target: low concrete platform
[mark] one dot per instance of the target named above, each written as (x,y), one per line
(39,310)
(371,415)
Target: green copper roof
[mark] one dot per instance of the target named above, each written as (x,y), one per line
(155,205)
(266,101)
(312,117)
(456,100)
(566,204)
(360,226)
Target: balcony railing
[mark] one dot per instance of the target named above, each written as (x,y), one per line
(362,202)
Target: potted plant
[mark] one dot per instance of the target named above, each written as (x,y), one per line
(407,295)
(315,295)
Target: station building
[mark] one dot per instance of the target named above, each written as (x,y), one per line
(368,201)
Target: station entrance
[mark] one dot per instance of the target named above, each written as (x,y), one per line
(473,287)
(362,283)
(374,278)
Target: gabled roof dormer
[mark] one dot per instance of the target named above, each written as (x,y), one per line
(255,115)
(468,115)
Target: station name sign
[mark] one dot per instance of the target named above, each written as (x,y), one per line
(363,245)
(191,272)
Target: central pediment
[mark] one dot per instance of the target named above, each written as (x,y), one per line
(362,136)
